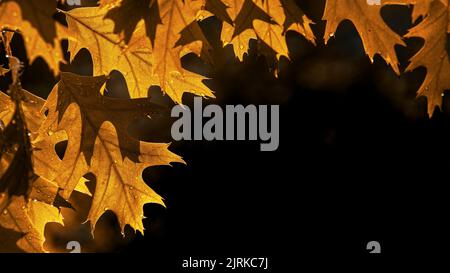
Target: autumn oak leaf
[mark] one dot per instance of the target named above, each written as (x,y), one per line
(376,35)
(434,55)
(177,35)
(99,143)
(141,65)
(42,34)
(27,217)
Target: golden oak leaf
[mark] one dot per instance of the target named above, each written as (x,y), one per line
(285,16)
(88,29)
(120,187)
(48,164)
(27,217)
(46,161)
(433,55)
(267,21)
(178,34)
(41,33)
(376,35)
(116,43)
(126,14)
(243,13)
(98,142)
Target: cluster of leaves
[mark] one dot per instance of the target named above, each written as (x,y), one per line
(432,24)
(145,41)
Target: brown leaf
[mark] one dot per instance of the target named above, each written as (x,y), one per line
(376,35)
(433,56)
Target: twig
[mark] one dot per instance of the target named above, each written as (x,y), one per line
(17,96)
(14,63)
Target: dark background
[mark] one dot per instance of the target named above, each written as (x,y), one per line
(359,160)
